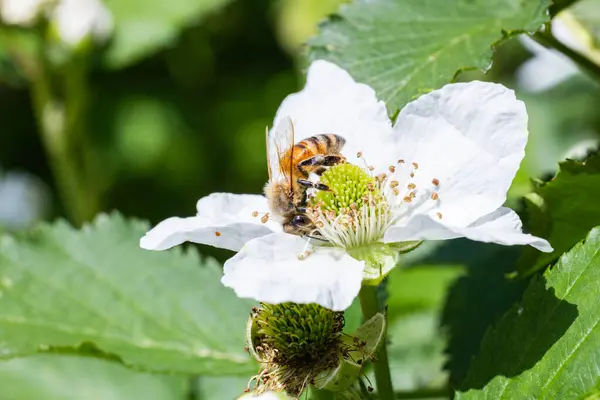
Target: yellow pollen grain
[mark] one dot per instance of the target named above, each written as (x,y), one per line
(407,199)
(412,174)
(217,233)
(264,218)
(412,195)
(439,215)
(395,191)
(411,186)
(434,196)
(415,165)
(435,182)
(394,184)
(392,169)
(255,213)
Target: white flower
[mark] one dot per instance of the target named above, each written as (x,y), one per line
(21,12)
(77,19)
(264,396)
(453,154)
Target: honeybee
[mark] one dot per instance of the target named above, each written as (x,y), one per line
(289,167)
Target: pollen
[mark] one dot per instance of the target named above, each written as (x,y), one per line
(439,215)
(264,218)
(371,168)
(401,161)
(435,182)
(350,185)
(255,213)
(434,196)
(395,191)
(217,233)
(412,174)
(392,169)
(415,165)
(359,154)
(394,184)
(411,186)
(407,199)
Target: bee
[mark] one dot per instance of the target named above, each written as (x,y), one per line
(290,166)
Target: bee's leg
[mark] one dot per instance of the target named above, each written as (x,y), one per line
(314,185)
(320,170)
(320,160)
(301,210)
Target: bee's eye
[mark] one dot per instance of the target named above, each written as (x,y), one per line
(300,220)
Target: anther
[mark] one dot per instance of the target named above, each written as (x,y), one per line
(407,199)
(319,224)
(415,165)
(264,218)
(412,195)
(401,161)
(412,174)
(434,196)
(255,213)
(217,233)
(439,215)
(435,182)
(392,169)
(395,191)
(411,186)
(359,154)
(371,168)
(394,184)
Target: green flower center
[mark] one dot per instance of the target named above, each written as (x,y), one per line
(351,188)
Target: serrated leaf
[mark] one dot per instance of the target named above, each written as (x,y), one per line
(547,346)
(95,290)
(566,210)
(143,27)
(404,48)
(56,377)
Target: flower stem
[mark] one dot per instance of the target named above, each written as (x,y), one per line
(316,394)
(369,305)
(547,40)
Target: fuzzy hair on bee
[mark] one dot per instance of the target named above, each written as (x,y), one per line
(290,165)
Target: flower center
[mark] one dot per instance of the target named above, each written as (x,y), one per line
(354,212)
(295,342)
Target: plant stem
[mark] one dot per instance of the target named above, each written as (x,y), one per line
(547,40)
(316,394)
(369,305)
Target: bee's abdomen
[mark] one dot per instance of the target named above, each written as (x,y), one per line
(322,144)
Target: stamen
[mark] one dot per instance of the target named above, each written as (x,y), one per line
(264,218)
(434,196)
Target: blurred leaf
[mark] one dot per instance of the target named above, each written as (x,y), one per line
(143,27)
(96,291)
(547,346)
(416,348)
(476,299)
(55,377)
(404,48)
(566,208)
(220,388)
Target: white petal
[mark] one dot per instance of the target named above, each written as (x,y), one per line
(76,19)
(21,12)
(470,137)
(224,220)
(503,226)
(332,102)
(268,269)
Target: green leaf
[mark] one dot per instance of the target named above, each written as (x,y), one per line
(587,13)
(404,48)
(143,27)
(55,377)
(563,210)
(96,291)
(546,347)
(220,388)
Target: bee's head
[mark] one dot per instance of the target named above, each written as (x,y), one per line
(281,198)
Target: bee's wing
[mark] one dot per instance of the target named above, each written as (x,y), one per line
(279,141)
